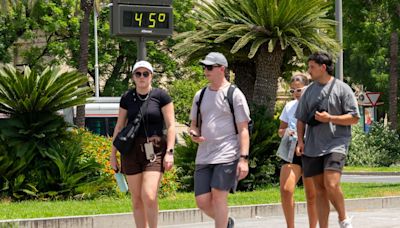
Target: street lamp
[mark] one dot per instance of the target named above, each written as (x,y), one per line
(339,36)
(96,55)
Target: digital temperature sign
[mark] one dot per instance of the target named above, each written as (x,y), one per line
(142,20)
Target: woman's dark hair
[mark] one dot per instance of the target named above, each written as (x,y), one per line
(323,58)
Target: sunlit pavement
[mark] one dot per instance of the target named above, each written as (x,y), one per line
(377,218)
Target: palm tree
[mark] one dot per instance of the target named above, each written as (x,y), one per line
(265,30)
(86,8)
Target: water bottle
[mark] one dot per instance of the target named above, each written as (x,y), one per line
(293,143)
(123,186)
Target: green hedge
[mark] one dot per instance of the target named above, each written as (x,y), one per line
(379,147)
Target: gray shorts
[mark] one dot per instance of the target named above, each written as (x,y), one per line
(218,176)
(313,166)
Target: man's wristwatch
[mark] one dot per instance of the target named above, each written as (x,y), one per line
(246,157)
(171,151)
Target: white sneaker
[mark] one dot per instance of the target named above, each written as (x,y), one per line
(346,223)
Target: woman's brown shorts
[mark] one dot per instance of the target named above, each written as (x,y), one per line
(135,161)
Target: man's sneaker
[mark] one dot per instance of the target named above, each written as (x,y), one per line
(346,223)
(231,222)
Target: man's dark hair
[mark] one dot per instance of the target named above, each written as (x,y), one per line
(323,58)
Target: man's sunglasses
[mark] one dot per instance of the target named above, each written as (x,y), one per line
(145,74)
(209,67)
(296,90)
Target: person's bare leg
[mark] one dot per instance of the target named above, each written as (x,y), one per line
(220,205)
(289,176)
(335,194)
(150,184)
(139,214)
(322,201)
(311,196)
(204,203)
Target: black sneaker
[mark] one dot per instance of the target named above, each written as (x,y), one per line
(231,222)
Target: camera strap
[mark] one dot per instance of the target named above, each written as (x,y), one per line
(321,102)
(139,115)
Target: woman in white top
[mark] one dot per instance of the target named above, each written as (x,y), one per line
(291,169)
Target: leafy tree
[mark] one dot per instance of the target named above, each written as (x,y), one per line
(370,31)
(183,92)
(265,30)
(16,18)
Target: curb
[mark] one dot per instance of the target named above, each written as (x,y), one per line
(372,173)
(185,216)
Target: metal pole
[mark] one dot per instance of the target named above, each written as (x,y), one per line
(339,36)
(141,52)
(96,55)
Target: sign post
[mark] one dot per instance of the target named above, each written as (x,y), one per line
(142,20)
(368,102)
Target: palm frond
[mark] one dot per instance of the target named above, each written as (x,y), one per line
(50,91)
(283,22)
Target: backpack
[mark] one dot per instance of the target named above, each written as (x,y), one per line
(230,101)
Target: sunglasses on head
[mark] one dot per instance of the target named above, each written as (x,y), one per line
(295,90)
(209,67)
(145,74)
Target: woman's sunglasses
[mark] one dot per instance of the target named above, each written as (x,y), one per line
(296,90)
(145,74)
(209,67)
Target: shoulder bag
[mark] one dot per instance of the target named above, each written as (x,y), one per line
(124,140)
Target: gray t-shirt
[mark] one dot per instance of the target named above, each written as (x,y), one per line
(221,144)
(327,138)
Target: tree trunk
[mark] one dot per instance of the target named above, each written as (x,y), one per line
(86,7)
(394,48)
(268,70)
(110,88)
(245,76)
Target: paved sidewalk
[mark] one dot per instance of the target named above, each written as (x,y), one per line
(377,218)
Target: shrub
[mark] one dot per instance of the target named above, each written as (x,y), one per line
(264,164)
(185,162)
(35,158)
(169,184)
(97,147)
(379,147)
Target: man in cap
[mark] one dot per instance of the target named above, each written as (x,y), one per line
(222,155)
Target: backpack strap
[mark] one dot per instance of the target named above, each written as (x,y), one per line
(230,101)
(198,106)
(229,96)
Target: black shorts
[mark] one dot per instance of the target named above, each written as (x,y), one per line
(296,161)
(135,161)
(313,166)
(218,176)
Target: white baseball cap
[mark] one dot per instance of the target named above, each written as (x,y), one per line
(215,58)
(144,64)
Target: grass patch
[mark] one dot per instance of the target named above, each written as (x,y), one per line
(371,169)
(108,205)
